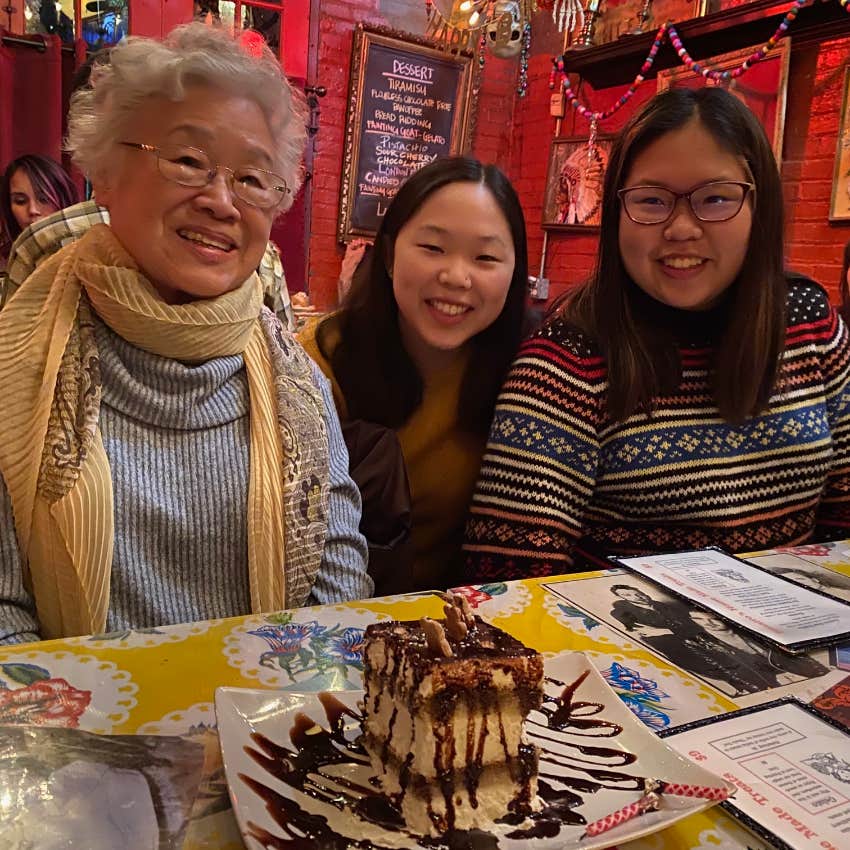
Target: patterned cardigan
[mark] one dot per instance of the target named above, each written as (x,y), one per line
(557,470)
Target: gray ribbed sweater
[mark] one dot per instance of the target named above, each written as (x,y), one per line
(177,440)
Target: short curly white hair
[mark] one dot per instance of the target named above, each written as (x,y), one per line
(191,54)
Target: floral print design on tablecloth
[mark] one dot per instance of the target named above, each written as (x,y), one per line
(832,556)
(641,696)
(306,650)
(497,599)
(658,697)
(64,689)
(142,638)
(813,550)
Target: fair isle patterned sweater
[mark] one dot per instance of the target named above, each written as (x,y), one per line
(557,470)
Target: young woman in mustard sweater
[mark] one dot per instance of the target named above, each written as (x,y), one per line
(424,339)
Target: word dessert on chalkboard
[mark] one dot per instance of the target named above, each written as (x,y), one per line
(408,103)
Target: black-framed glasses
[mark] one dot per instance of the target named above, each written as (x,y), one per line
(720,200)
(190,166)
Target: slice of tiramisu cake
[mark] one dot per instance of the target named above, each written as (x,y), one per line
(444,709)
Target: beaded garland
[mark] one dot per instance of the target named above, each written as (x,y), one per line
(618,104)
(669,30)
(522,83)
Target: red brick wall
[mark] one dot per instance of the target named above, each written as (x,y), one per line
(337,21)
(811,131)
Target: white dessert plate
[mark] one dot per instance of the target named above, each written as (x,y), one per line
(293,788)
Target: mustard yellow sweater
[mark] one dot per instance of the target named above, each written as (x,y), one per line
(442,466)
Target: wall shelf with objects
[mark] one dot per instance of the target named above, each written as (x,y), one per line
(616,62)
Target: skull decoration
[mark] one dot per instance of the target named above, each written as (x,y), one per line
(504,29)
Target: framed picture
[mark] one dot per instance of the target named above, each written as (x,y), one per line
(762,88)
(573,199)
(839,205)
(408,103)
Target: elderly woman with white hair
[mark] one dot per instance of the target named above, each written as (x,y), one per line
(169,452)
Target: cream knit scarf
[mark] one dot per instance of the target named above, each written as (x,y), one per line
(51,453)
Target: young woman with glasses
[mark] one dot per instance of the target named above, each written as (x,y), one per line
(693,392)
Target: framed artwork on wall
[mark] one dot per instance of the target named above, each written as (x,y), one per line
(573,198)
(763,87)
(839,204)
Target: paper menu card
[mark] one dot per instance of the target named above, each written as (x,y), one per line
(793,617)
(791,768)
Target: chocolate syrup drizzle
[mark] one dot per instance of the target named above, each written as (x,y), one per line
(315,750)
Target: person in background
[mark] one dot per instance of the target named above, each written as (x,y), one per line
(31,188)
(693,393)
(354,253)
(169,451)
(423,340)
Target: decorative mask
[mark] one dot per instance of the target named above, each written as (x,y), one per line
(504,29)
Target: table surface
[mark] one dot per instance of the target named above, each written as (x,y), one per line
(163,681)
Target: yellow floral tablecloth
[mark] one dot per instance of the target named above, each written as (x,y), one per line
(163,680)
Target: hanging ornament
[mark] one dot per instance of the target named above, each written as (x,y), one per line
(505,29)
(453,22)
(668,30)
(522,85)
(482,46)
(591,139)
(568,15)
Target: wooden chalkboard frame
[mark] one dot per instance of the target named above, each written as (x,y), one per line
(408,47)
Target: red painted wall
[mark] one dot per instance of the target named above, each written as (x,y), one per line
(154,18)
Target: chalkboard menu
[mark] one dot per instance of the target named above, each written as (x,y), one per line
(408,103)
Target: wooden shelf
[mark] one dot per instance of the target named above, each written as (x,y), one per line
(617,62)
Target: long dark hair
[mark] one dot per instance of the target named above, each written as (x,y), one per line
(49,181)
(378,378)
(844,286)
(643,361)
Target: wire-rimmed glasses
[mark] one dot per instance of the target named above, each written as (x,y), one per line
(190,166)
